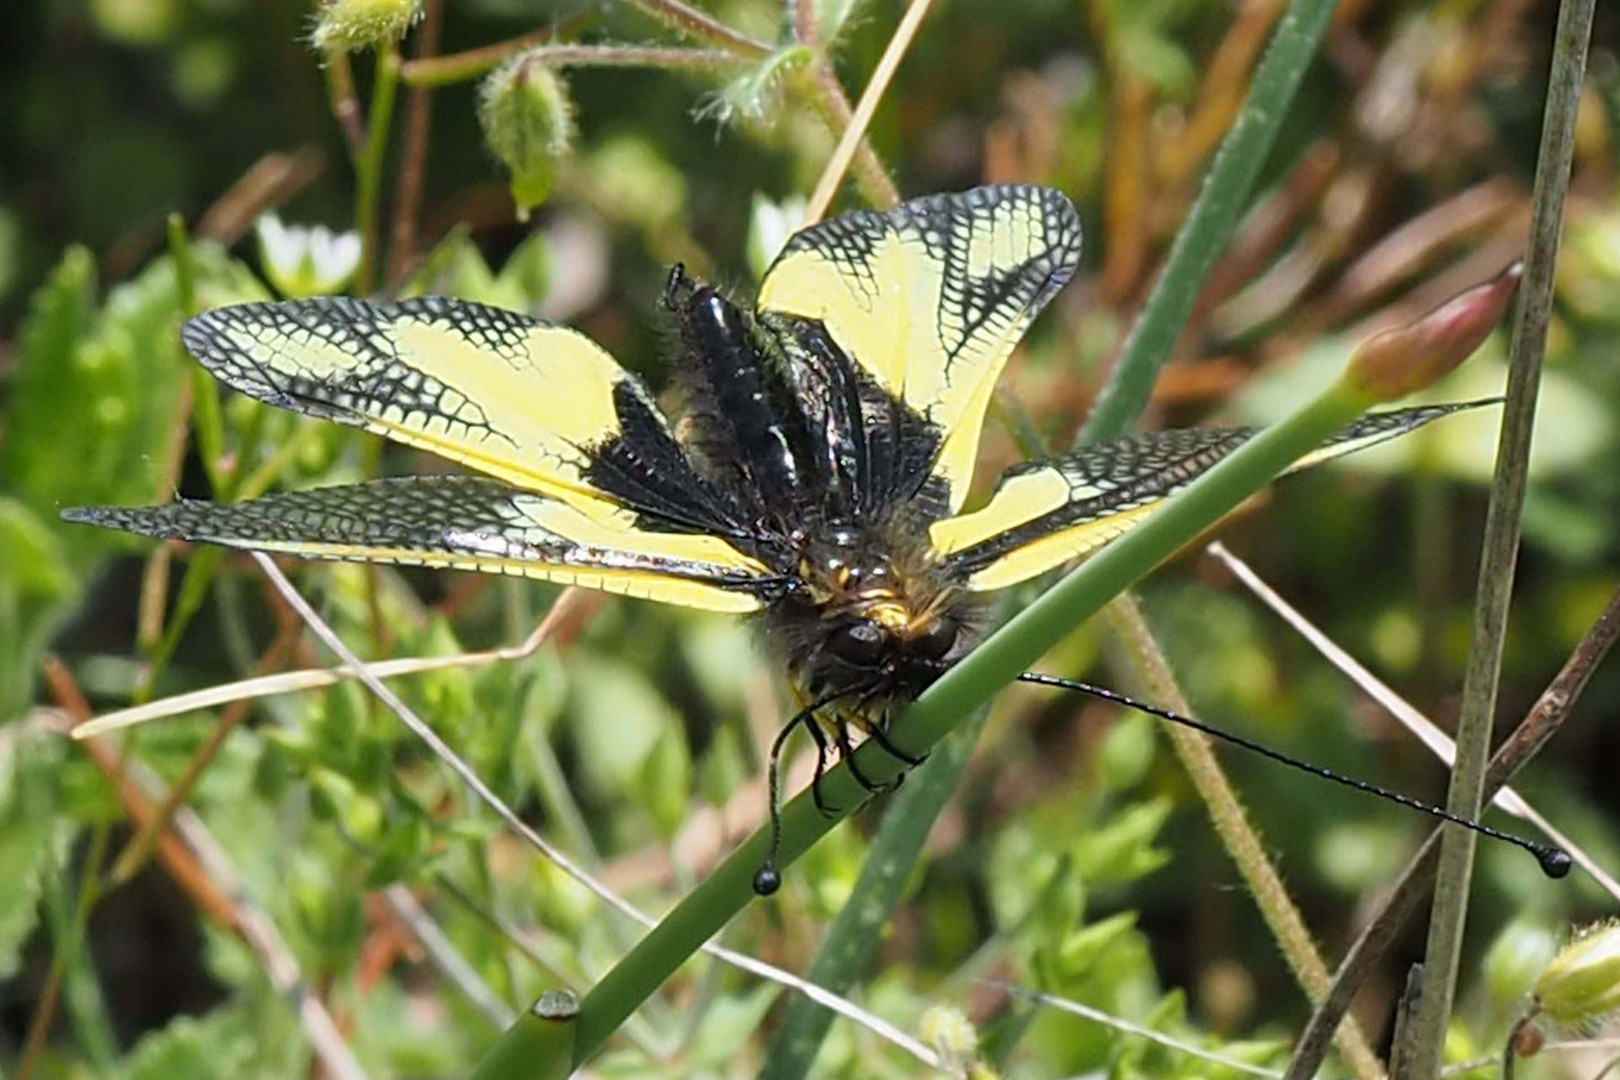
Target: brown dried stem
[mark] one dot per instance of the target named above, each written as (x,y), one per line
(1540,724)
(413,163)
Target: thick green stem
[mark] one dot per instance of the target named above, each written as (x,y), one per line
(845,945)
(369,171)
(1213,217)
(1501,544)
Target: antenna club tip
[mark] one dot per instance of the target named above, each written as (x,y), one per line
(767,879)
(1555,862)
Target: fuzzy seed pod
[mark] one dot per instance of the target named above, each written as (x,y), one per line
(528,122)
(350,25)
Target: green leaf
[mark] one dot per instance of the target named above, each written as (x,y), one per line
(36,837)
(753,96)
(1120,851)
(196,1048)
(617,719)
(1082,948)
(43,385)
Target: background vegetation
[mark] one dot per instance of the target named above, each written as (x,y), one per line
(331,884)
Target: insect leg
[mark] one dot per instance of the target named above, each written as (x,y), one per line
(822,749)
(847,752)
(880,736)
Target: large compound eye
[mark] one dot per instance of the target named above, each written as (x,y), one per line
(937,640)
(862,643)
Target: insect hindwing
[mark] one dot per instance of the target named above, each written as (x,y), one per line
(1045,513)
(931,297)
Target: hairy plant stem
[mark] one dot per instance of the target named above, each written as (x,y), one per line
(425,71)
(1239,837)
(1540,724)
(854,135)
(1212,219)
(826,95)
(702,26)
(1501,544)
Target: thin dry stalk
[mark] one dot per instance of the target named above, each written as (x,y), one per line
(1443,954)
(855,131)
(345,104)
(1540,724)
(1238,836)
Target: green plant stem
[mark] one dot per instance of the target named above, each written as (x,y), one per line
(845,947)
(193,591)
(369,168)
(962,689)
(675,58)
(1501,544)
(540,1045)
(847,943)
(702,26)
(1239,837)
(1214,215)
(827,95)
(432,71)
(69,941)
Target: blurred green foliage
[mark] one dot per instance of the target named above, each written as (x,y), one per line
(1075,861)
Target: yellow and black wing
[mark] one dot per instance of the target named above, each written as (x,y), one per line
(508,395)
(930,298)
(463,523)
(593,488)
(1045,513)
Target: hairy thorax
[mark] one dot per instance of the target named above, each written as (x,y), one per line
(873,621)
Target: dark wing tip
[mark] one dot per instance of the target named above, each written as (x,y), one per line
(159,521)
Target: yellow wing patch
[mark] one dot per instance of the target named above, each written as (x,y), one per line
(930,298)
(467,523)
(1044,514)
(508,395)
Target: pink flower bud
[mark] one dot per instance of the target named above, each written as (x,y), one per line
(1402,361)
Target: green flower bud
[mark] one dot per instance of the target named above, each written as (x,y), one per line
(1583,981)
(349,25)
(528,121)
